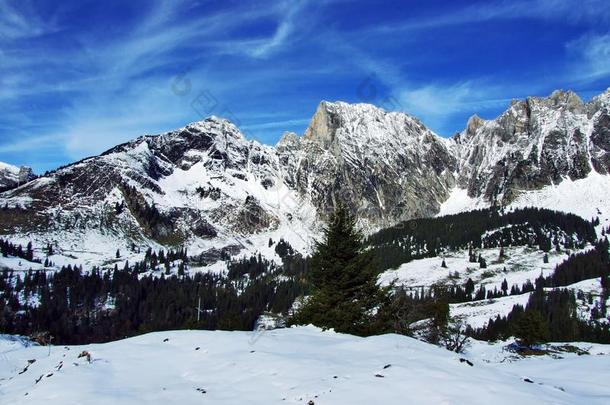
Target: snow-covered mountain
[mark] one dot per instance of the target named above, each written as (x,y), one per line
(537,142)
(295,366)
(203,186)
(13,176)
(206,187)
(387,166)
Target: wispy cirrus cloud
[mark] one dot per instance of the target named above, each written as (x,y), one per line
(591,54)
(285,28)
(89,75)
(109,89)
(289,28)
(438,104)
(20,20)
(568,11)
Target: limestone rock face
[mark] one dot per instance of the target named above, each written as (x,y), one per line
(386,167)
(207,187)
(474,123)
(13,176)
(536,142)
(600,142)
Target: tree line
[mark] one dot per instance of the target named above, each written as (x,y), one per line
(486,228)
(548,316)
(339,280)
(77,307)
(345,296)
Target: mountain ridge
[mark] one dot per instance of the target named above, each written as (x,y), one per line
(12,176)
(208,187)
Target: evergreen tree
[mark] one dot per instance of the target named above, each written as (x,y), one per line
(531,328)
(469,286)
(29,253)
(438,310)
(343,281)
(504,287)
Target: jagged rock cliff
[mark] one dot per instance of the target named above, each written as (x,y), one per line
(386,166)
(13,176)
(207,187)
(535,143)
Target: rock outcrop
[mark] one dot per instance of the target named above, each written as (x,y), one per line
(207,187)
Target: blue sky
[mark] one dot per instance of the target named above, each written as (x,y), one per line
(78,76)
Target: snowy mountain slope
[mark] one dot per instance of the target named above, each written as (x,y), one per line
(9,173)
(386,166)
(588,293)
(12,176)
(542,152)
(522,264)
(478,313)
(294,366)
(588,198)
(537,142)
(205,187)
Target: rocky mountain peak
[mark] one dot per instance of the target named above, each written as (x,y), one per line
(215,127)
(207,179)
(369,158)
(604,97)
(536,142)
(342,127)
(289,140)
(558,100)
(474,123)
(599,102)
(323,124)
(13,176)
(565,98)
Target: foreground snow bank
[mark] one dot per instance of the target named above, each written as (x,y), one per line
(290,366)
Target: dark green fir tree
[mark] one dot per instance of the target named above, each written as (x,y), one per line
(345,295)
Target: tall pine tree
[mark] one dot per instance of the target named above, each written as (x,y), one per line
(345,295)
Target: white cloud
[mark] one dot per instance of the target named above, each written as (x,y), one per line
(436,105)
(122,87)
(22,21)
(288,16)
(568,11)
(284,29)
(591,55)
(280,125)
(12,24)
(27,144)
(103,120)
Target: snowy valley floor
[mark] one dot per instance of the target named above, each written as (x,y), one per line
(293,366)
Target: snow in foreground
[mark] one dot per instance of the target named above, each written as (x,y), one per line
(292,366)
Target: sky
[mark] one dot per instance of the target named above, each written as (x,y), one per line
(78,77)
